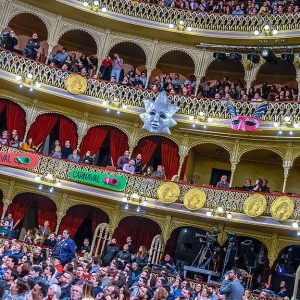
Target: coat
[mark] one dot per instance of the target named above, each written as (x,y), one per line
(64,250)
(233,290)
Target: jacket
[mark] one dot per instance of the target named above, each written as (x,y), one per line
(124,255)
(64,250)
(110,253)
(232,289)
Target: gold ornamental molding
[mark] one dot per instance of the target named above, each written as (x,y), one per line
(255,205)
(194,199)
(168,193)
(282,208)
(76,84)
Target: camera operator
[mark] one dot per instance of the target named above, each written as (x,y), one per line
(231,286)
(32,47)
(8,40)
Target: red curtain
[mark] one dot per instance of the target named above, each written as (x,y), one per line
(146,147)
(169,157)
(15,119)
(2,106)
(68,131)
(77,214)
(142,231)
(46,212)
(93,140)
(183,168)
(41,128)
(19,207)
(118,144)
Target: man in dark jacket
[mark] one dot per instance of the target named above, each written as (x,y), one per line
(123,257)
(9,40)
(32,47)
(64,248)
(110,252)
(231,286)
(65,281)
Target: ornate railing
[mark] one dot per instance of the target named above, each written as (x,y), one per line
(118,94)
(230,200)
(199,20)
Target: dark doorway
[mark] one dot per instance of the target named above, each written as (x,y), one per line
(3,120)
(84,231)
(216,175)
(30,220)
(156,158)
(103,158)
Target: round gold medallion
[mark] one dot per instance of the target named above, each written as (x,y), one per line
(255,205)
(76,84)
(168,192)
(282,208)
(194,199)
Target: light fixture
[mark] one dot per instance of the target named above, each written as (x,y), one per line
(220,209)
(298,233)
(189,28)
(256,32)
(85,3)
(124,106)
(289,57)
(266,27)
(108,110)
(40,187)
(291,133)
(280,132)
(29,76)
(171,26)
(126,207)
(181,22)
(138,209)
(18,77)
(37,178)
(209,120)
(31,89)
(295,225)
(201,113)
(118,112)
(51,189)
(96,2)
(287,118)
(104,9)
(191,118)
(276,124)
(20,85)
(124,199)
(253,57)
(37,85)
(58,184)
(235,56)
(194,125)
(296,125)
(229,216)
(274,31)
(269,56)
(204,126)
(135,195)
(104,102)
(49,176)
(219,56)
(144,202)
(209,213)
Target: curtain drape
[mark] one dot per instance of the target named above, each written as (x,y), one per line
(41,128)
(118,144)
(2,106)
(93,140)
(183,168)
(142,231)
(97,217)
(68,131)
(15,119)
(46,212)
(169,157)
(146,147)
(19,207)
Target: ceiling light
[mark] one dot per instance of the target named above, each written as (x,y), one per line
(49,176)
(108,110)
(118,112)
(295,225)
(256,32)
(229,216)
(37,178)
(280,132)
(266,27)
(96,2)
(287,118)
(235,56)
(104,102)
(144,202)
(138,209)
(124,106)
(126,207)
(296,125)
(219,56)
(58,184)
(220,209)
(276,124)
(40,187)
(204,126)
(181,22)
(194,125)
(20,85)
(37,84)
(171,26)
(298,233)
(209,120)
(124,199)
(135,196)
(275,31)
(291,133)
(201,113)
(51,189)
(31,89)
(189,28)
(191,117)
(104,9)
(85,3)
(289,57)
(209,213)
(29,75)
(18,77)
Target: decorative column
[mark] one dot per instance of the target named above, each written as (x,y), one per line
(62,204)
(115,218)
(149,72)
(5,14)
(183,153)
(30,117)
(166,229)
(82,128)
(198,81)
(133,138)
(234,159)
(272,252)
(297,67)
(233,168)
(8,196)
(251,71)
(287,164)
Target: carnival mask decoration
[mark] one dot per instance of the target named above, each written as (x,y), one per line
(245,123)
(158,117)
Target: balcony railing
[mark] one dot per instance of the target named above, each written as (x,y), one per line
(230,200)
(199,20)
(130,96)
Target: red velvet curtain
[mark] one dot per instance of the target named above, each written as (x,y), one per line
(93,140)
(41,128)
(146,147)
(77,214)
(46,212)
(142,231)
(118,144)
(169,157)
(183,168)
(2,106)
(68,131)
(15,119)
(19,207)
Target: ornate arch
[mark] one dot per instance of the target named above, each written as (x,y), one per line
(260,148)
(108,124)
(11,99)
(211,142)
(159,135)
(79,203)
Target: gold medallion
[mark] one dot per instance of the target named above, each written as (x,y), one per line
(76,84)
(168,192)
(194,199)
(282,208)
(255,205)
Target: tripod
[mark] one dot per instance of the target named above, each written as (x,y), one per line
(227,255)
(204,250)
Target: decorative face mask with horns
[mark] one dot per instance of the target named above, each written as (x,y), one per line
(158,117)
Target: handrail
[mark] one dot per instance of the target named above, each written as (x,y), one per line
(130,96)
(200,20)
(230,200)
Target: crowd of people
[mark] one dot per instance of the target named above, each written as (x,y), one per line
(232,7)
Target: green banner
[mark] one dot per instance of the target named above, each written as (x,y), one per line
(106,181)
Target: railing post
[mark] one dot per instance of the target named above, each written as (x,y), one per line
(233,168)
(287,164)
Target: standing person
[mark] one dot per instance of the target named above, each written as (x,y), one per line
(223,184)
(117,65)
(122,160)
(32,47)
(110,252)
(105,66)
(138,164)
(231,286)
(65,248)
(10,220)
(131,247)
(9,41)
(43,232)
(66,150)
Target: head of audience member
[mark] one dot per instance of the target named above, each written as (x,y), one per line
(224,178)
(247,183)
(126,154)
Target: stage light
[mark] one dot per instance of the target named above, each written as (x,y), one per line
(219,56)
(18,77)
(37,85)
(191,117)
(104,102)
(275,31)
(126,207)
(287,57)
(201,113)
(287,118)
(124,199)
(194,125)
(104,9)
(29,76)
(135,196)
(295,225)
(124,106)
(37,178)
(296,125)
(209,120)
(209,213)
(253,57)
(144,202)
(49,176)
(280,132)
(235,56)
(58,184)
(276,124)
(291,133)
(85,3)
(256,32)
(220,210)
(229,216)
(267,27)
(189,28)
(171,26)
(138,209)
(181,22)
(51,189)
(269,56)
(96,2)
(40,187)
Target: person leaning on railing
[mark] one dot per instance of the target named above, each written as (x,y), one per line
(29,146)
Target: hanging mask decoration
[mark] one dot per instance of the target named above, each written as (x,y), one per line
(245,123)
(158,117)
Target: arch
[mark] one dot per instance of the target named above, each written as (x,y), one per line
(292,185)
(23,202)
(13,117)
(159,150)
(175,61)
(210,142)
(217,69)
(169,137)
(46,122)
(132,52)
(140,228)
(85,41)
(260,162)
(78,214)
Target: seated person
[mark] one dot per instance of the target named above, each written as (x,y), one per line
(75,157)
(258,185)
(247,185)
(167,263)
(5,229)
(264,187)
(129,167)
(88,158)
(4,139)
(15,142)
(282,292)
(159,173)
(29,146)
(223,184)
(57,152)
(149,171)
(122,160)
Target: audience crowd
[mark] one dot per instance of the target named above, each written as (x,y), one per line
(232,7)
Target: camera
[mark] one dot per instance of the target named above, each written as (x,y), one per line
(231,237)
(3,39)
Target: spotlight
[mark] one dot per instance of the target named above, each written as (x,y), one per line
(37,85)
(267,27)
(18,77)
(276,124)
(124,106)
(287,57)
(219,56)
(208,213)
(287,118)
(229,216)
(58,184)
(189,28)
(171,26)
(104,9)
(191,118)
(291,133)
(40,187)
(29,76)
(235,57)
(20,85)
(269,56)
(181,22)
(253,57)
(220,209)
(37,178)
(51,189)
(256,32)
(296,125)
(280,132)
(124,199)
(138,209)
(295,225)
(126,207)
